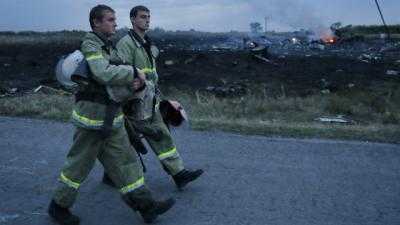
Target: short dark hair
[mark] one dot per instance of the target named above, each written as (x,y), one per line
(136,9)
(97,13)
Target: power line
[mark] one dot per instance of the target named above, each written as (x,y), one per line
(383,19)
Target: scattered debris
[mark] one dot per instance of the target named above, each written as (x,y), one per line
(368,58)
(189,60)
(222,47)
(50,91)
(13,90)
(336,119)
(392,72)
(324,83)
(262,58)
(260,50)
(265,60)
(169,62)
(302,63)
(210,88)
(325,91)
(5,92)
(391,48)
(317,46)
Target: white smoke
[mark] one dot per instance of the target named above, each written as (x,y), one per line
(293,14)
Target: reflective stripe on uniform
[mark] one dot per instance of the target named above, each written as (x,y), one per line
(133,186)
(69,182)
(148,70)
(86,121)
(171,152)
(89,122)
(94,55)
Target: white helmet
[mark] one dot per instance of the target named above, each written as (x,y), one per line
(71,69)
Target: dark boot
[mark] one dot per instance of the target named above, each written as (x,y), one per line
(62,215)
(158,208)
(107,180)
(143,202)
(185,176)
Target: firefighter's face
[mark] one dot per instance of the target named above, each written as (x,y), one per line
(107,25)
(141,21)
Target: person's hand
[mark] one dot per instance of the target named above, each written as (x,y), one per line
(141,75)
(137,83)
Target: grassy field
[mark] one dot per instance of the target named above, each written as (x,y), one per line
(375,115)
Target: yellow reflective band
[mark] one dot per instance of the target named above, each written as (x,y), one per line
(169,153)
(85,120)
(69,182)
(89,122)
(132,186)
(95,55)
(119,118)
(148,70)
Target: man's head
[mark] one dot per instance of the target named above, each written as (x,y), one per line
(102,19)
(140,18)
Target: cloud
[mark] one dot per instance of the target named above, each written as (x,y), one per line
(208,15)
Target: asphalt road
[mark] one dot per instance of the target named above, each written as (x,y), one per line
(248,180)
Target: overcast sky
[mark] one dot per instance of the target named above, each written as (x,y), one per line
(203,15)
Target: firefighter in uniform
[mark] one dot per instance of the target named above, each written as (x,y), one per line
(93,113)
(143,113)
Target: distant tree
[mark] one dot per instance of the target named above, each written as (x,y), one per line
(158,30)
(335,28)
(255,27)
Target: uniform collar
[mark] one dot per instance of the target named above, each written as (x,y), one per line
(106,41)
(139,40)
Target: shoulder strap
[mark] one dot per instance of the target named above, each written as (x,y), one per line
(146,46)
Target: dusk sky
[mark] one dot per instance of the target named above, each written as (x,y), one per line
(202,15)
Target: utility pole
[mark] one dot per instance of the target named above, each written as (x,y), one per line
(383,19)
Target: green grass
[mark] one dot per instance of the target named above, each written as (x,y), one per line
(376,114)
(43,106)
(365,107)
(377,133)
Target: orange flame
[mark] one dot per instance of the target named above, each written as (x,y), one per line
(328,38)
(326,35)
